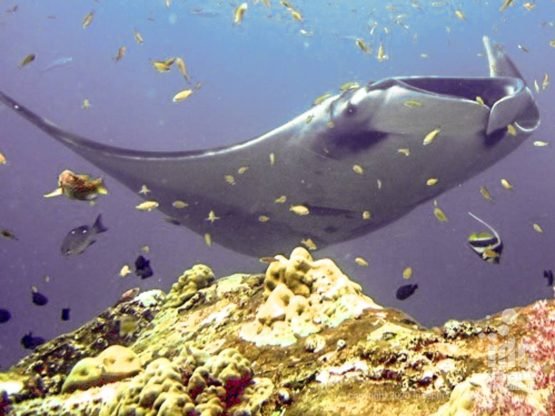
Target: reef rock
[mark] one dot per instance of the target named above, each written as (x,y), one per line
(301,340)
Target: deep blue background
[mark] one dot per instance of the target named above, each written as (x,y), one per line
(254,77)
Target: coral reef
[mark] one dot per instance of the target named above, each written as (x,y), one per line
(300,340)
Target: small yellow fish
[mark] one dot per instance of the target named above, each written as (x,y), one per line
(404,151)
(320,99)
(439,214)
(361,261)
(281,200)
(309,244)
(87,20)
(138,37)
(350,85)
(27,60)
(432,181)
(413,104)
(145,249)
(379,183)
(163,66)
(272,157)
(381,55)
(529,5)
(511,130)
(460,14)
(505,5)
(540,143)
(366,215)
(229,179)
(309,118)
(545,81)
(239,13)
(182,68)
(86,104)
(431,136)
(263,218)
(359,170)
(208,239)
(536,86)
(144,190)
(362,45)
(299,210)
(212,217)
(120,54)
(295,14)
(242,170)
(125,270)
(182,95)
(407,273)
(537,228)
(147,205)
(506,184)
(480,100)
(552,43)
(485,193)
(3,159)
(179,204)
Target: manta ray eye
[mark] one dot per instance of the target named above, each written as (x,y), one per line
(351,109)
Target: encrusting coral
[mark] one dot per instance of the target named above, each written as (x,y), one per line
(303,297)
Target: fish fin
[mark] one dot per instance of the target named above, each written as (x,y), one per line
(98,227)
(56,192)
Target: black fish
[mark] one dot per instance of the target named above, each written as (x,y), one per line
(5,315)
(39,299)
(65,314)
(30,342)
(406,291)
(548,274)
(80,238)
(142,268)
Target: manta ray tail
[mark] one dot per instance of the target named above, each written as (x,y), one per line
(510,108)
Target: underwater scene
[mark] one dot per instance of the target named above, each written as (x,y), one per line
(277,207)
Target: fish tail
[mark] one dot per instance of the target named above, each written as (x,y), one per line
(98,227)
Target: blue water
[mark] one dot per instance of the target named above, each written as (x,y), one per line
(254,77)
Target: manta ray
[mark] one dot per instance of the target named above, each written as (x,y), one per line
(353,163)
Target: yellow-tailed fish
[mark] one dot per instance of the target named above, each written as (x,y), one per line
(529,5)
(179,204)
(432,181)
(3,159)
(350,85)
(366,215)
(505,5)
(144,190)
(182,95)
(407,273)
(147,205)
(296,15)
(480,100)
(545,81)
(163,66)
(212,217)
(138,38)
(230,179)
(27,60)
(431,136)
(404,151)
(439,214)
(381,55)
(413,103)
(506,184)
(281,199)
(120,54)
(359,170)
(208,239)
(88,19)
(486,193)
(125,270)
(536,86)
(242,170)
(552,43)
(460,15)
(239,13)
(299,210)
(85,104)
(537,228)
(361,261)
(511,130)
(320,99)
(272,158)
(182,68)
(263,218)
(361,44)
(540,143)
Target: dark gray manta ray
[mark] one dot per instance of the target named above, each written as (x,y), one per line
(340,159)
